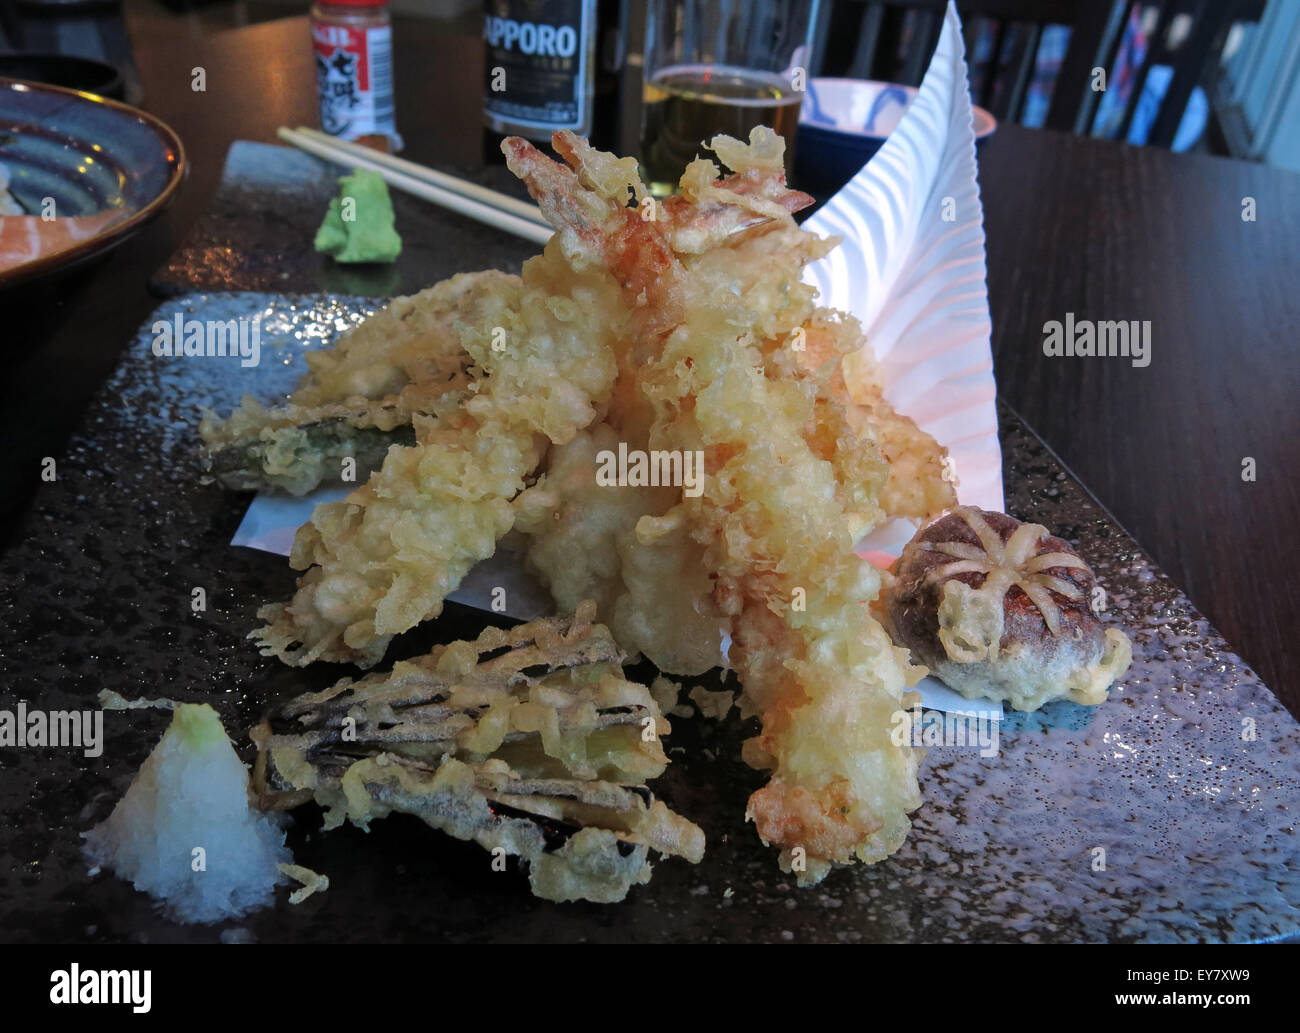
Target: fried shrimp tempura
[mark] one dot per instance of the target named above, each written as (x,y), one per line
(917,488)
(791,482)
(680,326)
(586,541)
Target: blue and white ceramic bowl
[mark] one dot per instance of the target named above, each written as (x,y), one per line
(91,156)
(843,122)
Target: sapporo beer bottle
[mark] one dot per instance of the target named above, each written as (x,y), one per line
(552,64)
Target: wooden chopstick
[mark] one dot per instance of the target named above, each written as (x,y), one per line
(441,179)
(469,199)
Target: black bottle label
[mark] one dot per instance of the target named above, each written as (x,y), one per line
(538,65)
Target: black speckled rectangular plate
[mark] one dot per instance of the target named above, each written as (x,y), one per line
(258,232)
(1166,814)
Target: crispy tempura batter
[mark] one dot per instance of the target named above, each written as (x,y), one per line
(793,478)
(918,487)
(680,325)
(386,557)
(528,739)
(584,542)
(403,362)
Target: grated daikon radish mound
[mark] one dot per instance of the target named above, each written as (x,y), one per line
(192,793)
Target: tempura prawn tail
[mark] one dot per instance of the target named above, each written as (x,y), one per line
(603,213)
(588,206)
(710,212)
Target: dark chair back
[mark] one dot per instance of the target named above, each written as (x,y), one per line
(893,40)
(11,27)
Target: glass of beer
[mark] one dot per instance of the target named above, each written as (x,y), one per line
(719,66)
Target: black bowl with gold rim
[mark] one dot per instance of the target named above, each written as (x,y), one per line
(66,70)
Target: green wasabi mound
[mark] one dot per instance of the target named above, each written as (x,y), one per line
(358,226)
(185,832)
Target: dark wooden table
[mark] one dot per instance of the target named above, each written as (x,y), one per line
(1105,231)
